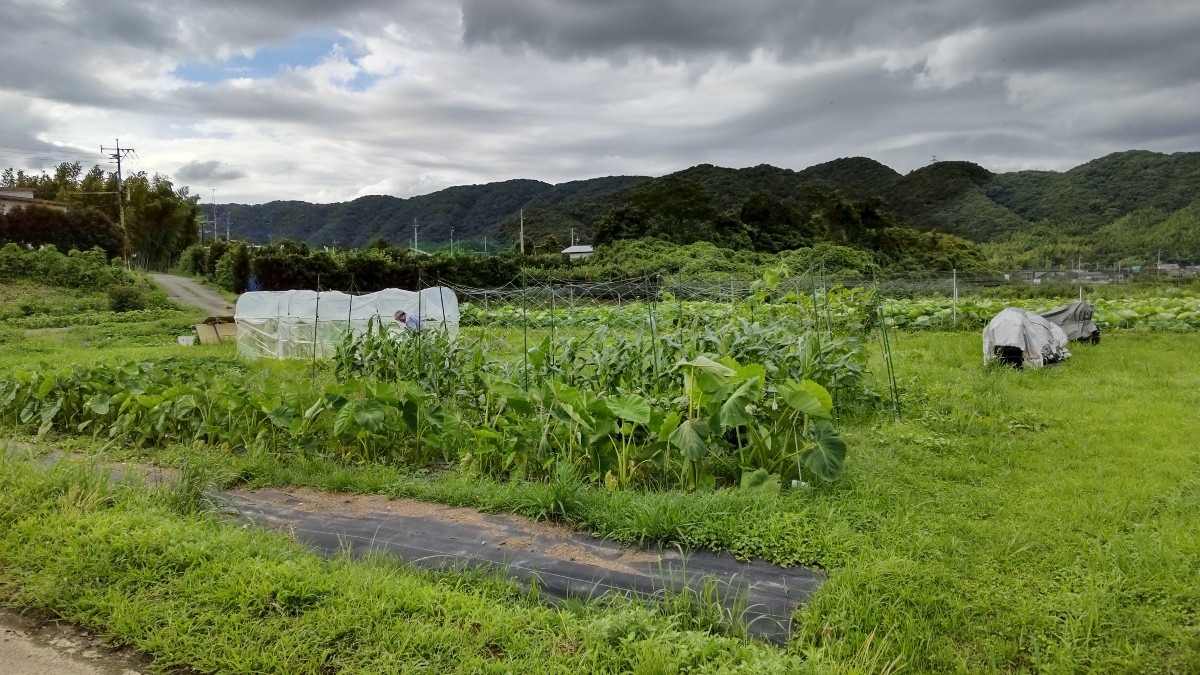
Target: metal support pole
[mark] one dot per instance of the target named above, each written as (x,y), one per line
(420,327)
(654,327)
(316,319)
(525,327)
(954,292)
(553,325)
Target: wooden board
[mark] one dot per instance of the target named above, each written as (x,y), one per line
(207,334)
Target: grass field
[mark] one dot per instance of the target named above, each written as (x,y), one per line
(1011,522)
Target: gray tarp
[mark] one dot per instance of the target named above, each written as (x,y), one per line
(1075,319)
(1040,342)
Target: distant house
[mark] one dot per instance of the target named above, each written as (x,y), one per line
(1170,269)
(1038,276)
(578,251)
(1092,277)
(11,198)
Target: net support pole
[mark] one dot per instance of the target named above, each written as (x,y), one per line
(653,325)
(420,326)
(316,319)
(885,343)
(349,337)
(553,325)
(954,295)
(525,326)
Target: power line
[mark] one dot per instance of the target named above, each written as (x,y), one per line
(117,155)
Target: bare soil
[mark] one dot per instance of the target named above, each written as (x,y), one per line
(30,646)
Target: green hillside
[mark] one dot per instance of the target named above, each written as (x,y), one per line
(856,201)
(1101,191)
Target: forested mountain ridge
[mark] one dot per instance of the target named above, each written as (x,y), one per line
(761,207)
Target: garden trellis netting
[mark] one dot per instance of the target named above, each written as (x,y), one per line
(304,324)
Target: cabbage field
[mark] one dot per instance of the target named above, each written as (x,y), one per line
(850,308)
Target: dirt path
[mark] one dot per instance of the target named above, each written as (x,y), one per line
(188,292)
(29,647)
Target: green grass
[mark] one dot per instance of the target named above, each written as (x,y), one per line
(40,323)
(203,595)
(1013,521)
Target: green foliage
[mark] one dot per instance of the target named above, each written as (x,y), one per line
(77,269)
(125,298)
(233,269)
(76,228)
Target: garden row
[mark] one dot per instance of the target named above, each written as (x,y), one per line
(599,412)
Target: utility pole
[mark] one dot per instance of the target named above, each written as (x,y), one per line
(572,236)
(213,215)
(485,244)
(452,241)
(227,218)
(117,155)
(522,231)
(414,235)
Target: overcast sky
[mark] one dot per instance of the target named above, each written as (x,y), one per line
(328,100)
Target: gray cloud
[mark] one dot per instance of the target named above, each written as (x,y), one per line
(566,89)
(205,173)
(682,28)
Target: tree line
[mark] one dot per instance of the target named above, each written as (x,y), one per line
(161,220)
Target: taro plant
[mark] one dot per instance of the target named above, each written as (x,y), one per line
(731,416)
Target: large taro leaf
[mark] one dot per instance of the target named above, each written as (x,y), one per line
(669,424)
(516,396)
(279,414)
(705,374)
(828,453)
(343,418)
(820,392)
(567,413)
(99,403)
(369,414)
(734,410)
(760,479)
(630,407)
(804,397)
(690,438)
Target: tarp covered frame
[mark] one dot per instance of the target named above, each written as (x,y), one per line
(291,324)
(1075,319)
(1022,338)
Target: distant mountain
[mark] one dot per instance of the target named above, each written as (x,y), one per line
(736,205)
(473,211)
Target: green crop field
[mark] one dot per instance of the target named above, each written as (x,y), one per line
(1010,521)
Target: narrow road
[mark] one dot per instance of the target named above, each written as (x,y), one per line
(188,292)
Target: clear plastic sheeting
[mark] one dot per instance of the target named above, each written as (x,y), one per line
(1022,338)
(308,324)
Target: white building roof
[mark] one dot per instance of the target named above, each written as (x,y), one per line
(581,248)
